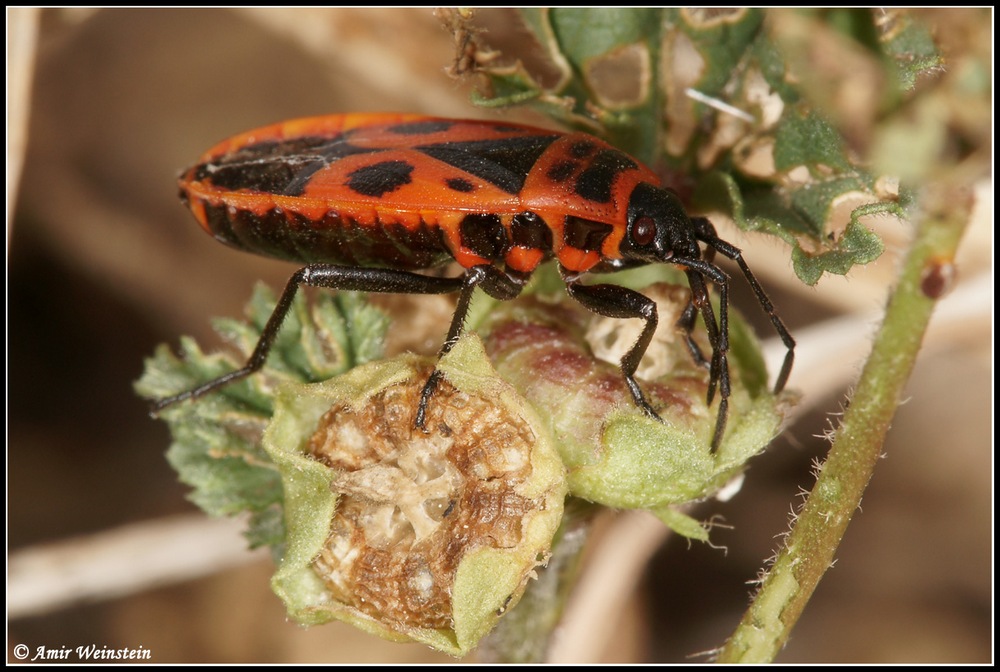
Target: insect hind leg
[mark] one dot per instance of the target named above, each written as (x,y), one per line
(328,276)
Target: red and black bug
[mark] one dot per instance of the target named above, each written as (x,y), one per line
(365,200)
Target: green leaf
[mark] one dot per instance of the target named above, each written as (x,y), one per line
(607,61)
(228,473)
(911,47)
(721,37)
(754,145)
(808,140)
(216,447)
(802,211)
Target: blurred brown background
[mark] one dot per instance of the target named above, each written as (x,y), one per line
(104,263)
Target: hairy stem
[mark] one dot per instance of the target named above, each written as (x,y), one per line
(810,547)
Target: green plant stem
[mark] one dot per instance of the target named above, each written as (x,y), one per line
(809,548)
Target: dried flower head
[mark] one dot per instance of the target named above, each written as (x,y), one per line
(428,535)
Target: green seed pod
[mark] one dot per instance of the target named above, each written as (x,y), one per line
(615,455)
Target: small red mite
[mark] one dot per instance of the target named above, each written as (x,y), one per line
(365,200)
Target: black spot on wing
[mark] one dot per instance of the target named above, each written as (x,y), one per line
(595,182)
(581,149)
(460,184)
(503,163)
(562,171)
(381,178)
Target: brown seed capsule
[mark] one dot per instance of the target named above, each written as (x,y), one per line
(413,503)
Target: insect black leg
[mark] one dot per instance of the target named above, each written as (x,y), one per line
(700,301)
(686,323)
(707,234)
(330,277)
(620,302)
(718,335)
(496,283)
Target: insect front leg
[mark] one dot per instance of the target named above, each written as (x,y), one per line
(706,233)
(718,335)
(686,323)
(496,283)
(620,302)
(330,277)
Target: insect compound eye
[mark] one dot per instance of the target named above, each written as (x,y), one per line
(644,231)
